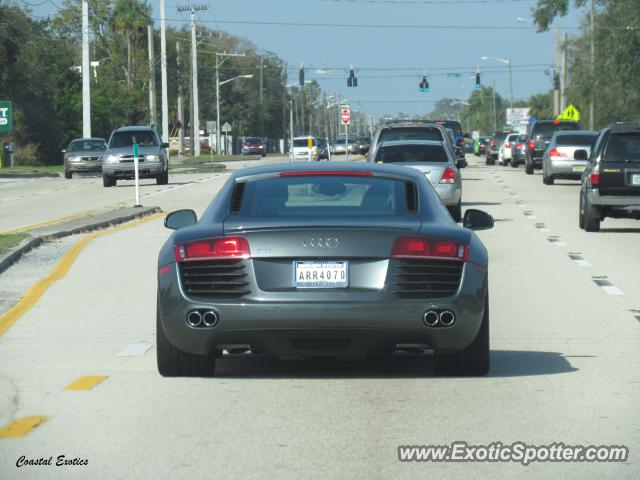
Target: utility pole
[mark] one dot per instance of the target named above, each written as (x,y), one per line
(510,86)
(152,78)
(592,101)
(218,64)
(495,113)
(86,83)
(163,70)
(261,104)
(180,105)
(195,125)
(563,76)
(556,76)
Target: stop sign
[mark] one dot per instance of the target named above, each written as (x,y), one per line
(345,116)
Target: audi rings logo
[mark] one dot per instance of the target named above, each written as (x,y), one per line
(321,242)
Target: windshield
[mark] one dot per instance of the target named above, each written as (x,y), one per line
(412,154)
(127,139)
(302,142)
(545,130)
(324,196)
(500,136)
(87,145)
(410,133)
(581,140)
(623,147)
(253,141)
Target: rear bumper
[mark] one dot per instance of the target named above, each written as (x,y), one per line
(612,200)
(450,194)
(344,329)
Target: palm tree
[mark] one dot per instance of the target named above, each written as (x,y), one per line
(129,18)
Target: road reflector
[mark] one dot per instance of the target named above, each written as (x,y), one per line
(20,427)
(86,382)
(134,350)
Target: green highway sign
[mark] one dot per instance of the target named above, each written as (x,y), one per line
(6,116)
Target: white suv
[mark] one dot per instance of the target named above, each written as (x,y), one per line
(504,154)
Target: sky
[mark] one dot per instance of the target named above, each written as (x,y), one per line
(433,37)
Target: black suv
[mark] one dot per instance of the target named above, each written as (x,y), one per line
(611,181)
(538,141)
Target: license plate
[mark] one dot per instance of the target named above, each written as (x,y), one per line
(578,168)
(635,179)
(321,274)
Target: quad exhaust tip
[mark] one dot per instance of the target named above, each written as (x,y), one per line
(210,318)
(447,318)
(431,318)
(194,318)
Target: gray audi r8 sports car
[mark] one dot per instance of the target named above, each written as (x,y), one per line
(304,260)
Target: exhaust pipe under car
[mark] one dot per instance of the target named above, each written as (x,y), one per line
(430,318)
(447,318)
(210,318)
(194,318)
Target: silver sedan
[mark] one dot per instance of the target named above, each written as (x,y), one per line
(558,160)
(434,160)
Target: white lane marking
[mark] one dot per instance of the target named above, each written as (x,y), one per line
(606,285)
(176,187)
(134,350)
(542,227)
(577,258)
(556,241)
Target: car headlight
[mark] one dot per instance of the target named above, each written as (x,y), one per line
(152,158)
(111,159)
(74,159)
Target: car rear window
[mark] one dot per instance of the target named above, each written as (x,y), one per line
(455,127)
(500,136)
(127,139)
(410,133)
(86,145)
(324,196)
(622,147)
(546,130)
(577,140)
(302,142)
(411,154)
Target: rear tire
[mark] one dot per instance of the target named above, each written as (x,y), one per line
(581,212)
(547,180)
(528,169)
(163,178)
(109,181)
(176,363)
(68,175)
(514,163)
(591,216)
(456,212)
(473,360)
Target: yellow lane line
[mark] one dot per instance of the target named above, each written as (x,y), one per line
(41,224)
(59,270)
(21,426)
(87,382)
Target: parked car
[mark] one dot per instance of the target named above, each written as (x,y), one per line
(558,160)
(298,261)
(538,140)
(611,180)
(84,155)
(118,157)
(518,150)
(434,160)
(300,148)
(504,152)
(324,149)
(254,146)
(494,146)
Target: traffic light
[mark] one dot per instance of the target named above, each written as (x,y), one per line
(424,84)
(478,80)
(352,80)
(302,77)
(556,81)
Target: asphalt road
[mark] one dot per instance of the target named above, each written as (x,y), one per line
(565,363)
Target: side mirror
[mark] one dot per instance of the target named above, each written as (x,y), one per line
(165,145)
(477,220)
(180,219)
(580,155)
(63,151)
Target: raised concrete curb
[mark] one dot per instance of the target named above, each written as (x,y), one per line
(72,227)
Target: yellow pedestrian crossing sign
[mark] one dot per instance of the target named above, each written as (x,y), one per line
(570,113)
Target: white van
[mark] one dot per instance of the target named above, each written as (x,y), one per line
(300,148)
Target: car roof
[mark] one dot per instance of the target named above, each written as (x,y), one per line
(384,170)
(393,143)
(135,128)
(624,127)
(561,133)
(304,137)
(87,139)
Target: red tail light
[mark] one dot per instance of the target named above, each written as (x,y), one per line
(213,249)
(556,122)
(418,247)
(461,142)
(595,179)
(324,173)
(448,176)
(507,145)
(518,146)
(555,153)
(532,145)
